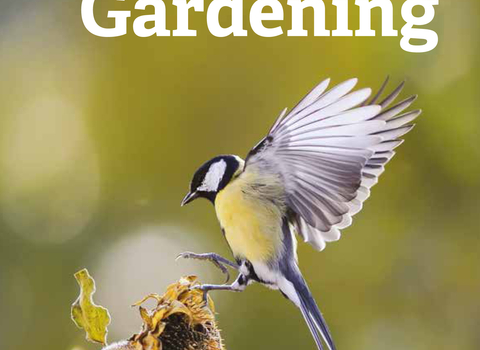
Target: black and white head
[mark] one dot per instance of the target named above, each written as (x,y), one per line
(213,176)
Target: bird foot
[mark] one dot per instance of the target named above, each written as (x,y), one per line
(214,258)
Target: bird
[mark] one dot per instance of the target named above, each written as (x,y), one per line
(307,177)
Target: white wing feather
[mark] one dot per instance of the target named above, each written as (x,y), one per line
(329,151)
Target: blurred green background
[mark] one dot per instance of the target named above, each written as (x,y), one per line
(100,137)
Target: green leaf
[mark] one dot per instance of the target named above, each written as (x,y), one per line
(93,318)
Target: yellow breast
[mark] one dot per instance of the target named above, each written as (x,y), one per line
(252,226)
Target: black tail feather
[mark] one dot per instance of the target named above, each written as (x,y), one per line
(311,313)
(295,288)
(311,326)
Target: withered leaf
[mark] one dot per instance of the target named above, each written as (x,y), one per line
(93,318)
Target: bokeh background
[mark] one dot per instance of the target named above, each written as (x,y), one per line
(99,138)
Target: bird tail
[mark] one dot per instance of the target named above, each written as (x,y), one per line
(300,294)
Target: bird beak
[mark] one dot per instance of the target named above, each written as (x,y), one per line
(189,197)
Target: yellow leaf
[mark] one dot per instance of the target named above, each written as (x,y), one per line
(86,314)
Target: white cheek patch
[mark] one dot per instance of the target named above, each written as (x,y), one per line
(214,176)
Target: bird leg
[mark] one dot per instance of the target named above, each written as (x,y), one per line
(238,286)
(217,260)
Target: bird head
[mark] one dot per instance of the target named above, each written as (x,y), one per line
(213,176)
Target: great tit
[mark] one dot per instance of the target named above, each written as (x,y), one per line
(308,176)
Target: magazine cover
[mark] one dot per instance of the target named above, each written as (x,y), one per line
(239,174)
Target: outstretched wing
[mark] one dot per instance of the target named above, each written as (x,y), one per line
(329,151)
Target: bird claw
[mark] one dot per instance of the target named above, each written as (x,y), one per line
(213,258)
(201,288)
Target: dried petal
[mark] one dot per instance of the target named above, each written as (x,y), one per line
(181,320)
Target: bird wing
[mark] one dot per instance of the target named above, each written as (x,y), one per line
(328,151)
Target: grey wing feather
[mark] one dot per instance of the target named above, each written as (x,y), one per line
(329,150)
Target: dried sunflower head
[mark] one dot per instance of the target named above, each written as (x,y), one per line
(181,320)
